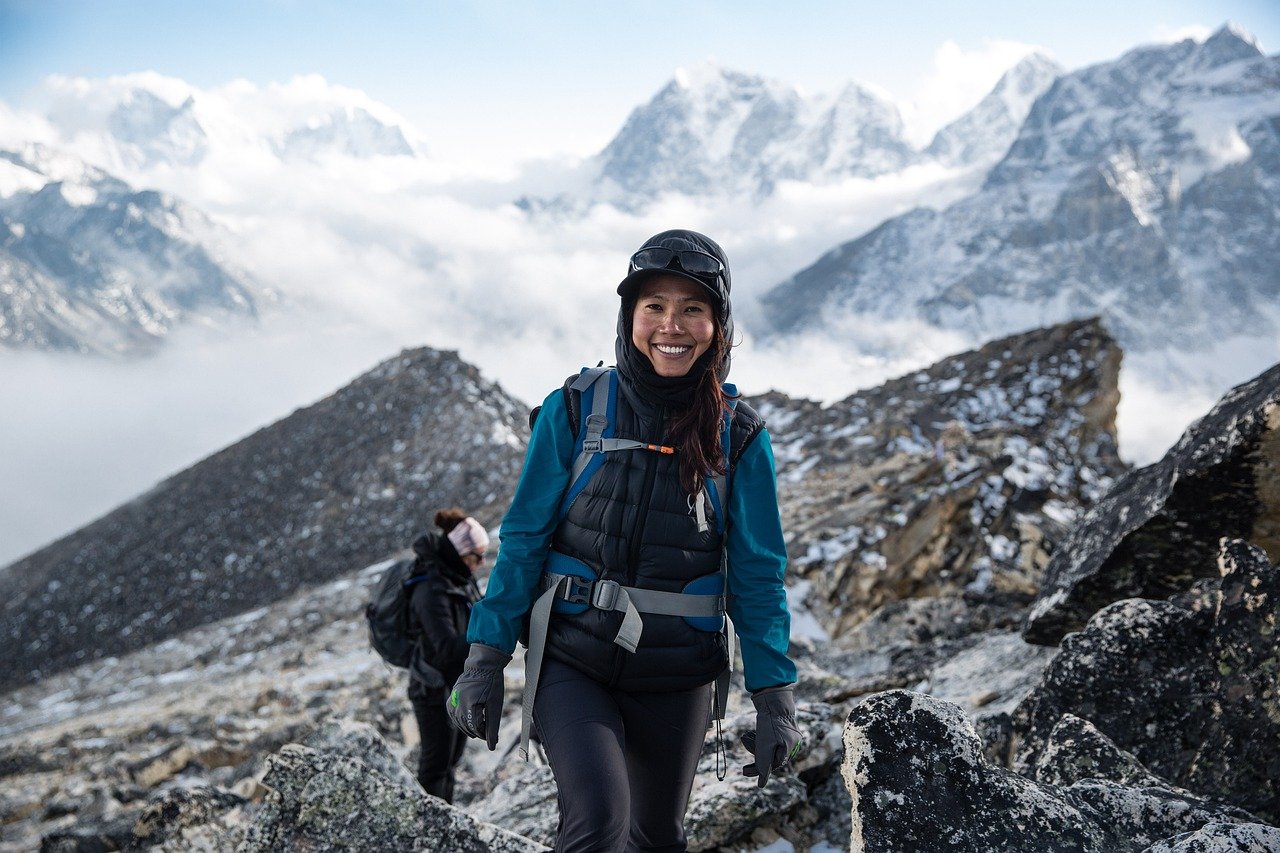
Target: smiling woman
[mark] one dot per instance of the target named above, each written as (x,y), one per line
(623,572)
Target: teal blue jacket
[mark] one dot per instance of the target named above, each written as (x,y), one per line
(757,552)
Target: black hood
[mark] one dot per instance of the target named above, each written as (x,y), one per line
(717,287)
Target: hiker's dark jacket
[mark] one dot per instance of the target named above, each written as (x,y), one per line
(440,609)
(633,524)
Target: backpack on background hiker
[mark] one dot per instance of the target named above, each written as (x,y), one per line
(387,613)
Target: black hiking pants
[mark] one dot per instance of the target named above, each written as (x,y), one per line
(623,762)
(441,743)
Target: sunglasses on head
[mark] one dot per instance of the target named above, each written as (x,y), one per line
(689,260)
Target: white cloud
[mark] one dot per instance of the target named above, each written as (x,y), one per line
(959,79)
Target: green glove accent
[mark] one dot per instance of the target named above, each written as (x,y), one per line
(453,698)
(475,703)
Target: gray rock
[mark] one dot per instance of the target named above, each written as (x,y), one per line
(721,813)
(363,743)
(1133,672)
(916,774)
(916,771)
(327,801)
(1239,750)
(1157,530)
(1076,750)
(199,818)
(1222,838)
(1193,694)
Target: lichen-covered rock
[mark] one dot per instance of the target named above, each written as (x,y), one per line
(1239,750)
(1133,672)
(1222,838)
(1193,694)
(199,818)
(1158,528)
(918,779)
(328,801)
(917,774)
(363,743)
(1076,750)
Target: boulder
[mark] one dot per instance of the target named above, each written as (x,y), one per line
(1239,752)
(1222,838)
(916,773)
(1076,750)
(1158,528)
(322,800)
(1133,673)
(362,742)
(197,818)
(1193,693)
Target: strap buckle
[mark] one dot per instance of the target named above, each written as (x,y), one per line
(605,594)
(578,590)
(592,445)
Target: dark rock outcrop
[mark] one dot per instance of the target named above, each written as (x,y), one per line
(1193,694)
(1222,838)
(332,487)
(1158,529)
(918,775)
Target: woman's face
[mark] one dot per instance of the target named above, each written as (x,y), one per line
(672,324)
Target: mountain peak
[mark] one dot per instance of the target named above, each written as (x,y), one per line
(1229,43)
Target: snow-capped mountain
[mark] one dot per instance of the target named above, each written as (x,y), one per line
(139,122)
(985,132)
(90,264)
(1145,190)
(713,131)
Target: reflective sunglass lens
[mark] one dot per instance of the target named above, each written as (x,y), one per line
(698,262)
(652,259)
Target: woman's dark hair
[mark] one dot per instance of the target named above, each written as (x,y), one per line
(697,431)
(447,519)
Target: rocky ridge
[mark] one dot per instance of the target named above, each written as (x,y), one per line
(1125,738)
(334,485)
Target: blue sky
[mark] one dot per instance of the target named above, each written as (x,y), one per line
(561,75)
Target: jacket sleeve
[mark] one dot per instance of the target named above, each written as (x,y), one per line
(757,565)
(526,531)
(434,613)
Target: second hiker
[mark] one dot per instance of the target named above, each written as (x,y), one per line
(439,610)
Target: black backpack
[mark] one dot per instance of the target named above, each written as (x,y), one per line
(390,633)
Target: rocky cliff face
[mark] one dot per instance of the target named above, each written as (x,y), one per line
(333,486)
(958,479)
(1149,730)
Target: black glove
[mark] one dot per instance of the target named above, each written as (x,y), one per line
(475,703)
(776,739)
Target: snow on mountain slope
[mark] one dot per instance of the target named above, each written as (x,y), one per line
(1145,190)
(90,264)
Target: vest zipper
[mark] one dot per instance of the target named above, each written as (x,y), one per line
(637,531)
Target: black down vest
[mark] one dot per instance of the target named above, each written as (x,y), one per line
(632,523)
